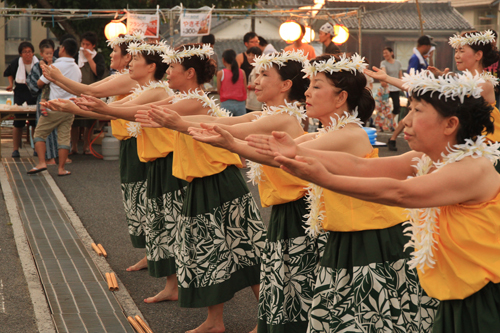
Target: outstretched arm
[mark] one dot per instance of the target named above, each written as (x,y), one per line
(444,187)
(381,75)
(64,105)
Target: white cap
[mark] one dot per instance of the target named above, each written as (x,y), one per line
(327,28)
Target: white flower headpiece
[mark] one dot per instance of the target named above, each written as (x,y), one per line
(352,64)
(488,77)
(265,61)
(171,56)
(483,37)
(160,48)
(449,86)
(135,37)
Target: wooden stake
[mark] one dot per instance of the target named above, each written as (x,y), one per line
(143,324)
(108,280)
(104,254)
(114,281)
(135,325)
(96,249)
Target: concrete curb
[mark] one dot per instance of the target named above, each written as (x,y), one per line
(41,308)
(124,299)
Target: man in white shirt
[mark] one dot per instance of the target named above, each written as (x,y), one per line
(60,120)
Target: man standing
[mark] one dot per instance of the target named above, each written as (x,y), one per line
(17,72)
(265,47)
(60,120)
(304,47)
(326,34)
(421,53)
(250,40)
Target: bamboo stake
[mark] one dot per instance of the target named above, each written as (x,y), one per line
(143,324)
(135,325)
(104,253)
(96,249)
(108,280)
(114,281)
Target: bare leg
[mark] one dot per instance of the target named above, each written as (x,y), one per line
(40,149)
(51,161)
(16,137)
(255,289)
(141,264)
(75,136)
(214,322)
(63,155)
(86,143)
(170,293)
(398,130)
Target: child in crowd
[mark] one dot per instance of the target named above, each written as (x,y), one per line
(231,84)
(383,105)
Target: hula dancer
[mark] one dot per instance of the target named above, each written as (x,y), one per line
(453,192)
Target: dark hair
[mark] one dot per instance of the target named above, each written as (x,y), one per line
(248,36)
(424,40)
(302,28)
(46,43)
(262,41)
(474,114)
(66,36)
(490,51)
(205,68)
(70,46)
(255,50)
(90,36)
(208,39)
(293,71)
(354,84)
(229,57)
(155,58)
(390,50)
(25,45)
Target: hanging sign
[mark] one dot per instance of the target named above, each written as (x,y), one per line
(148,25)
(196,24)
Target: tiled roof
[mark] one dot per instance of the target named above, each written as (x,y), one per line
(287,3)
(436,16)
(469,3)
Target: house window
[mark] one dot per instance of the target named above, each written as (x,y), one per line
(18,28)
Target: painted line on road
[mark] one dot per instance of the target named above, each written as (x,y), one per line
(122,295)
(2,298)
(41,309)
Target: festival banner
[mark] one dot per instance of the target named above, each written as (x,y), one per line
(196,23)
(149,25)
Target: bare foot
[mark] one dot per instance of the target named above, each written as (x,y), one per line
(254,330)
(142,264)
(208,328)
(51,162)
(164,295)
(68,161)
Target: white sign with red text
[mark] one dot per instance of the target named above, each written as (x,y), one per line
(196,24)
(149,25)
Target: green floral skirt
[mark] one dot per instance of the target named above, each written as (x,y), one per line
(165,195)
(478,313)
(364,285)
(219,241)
(290,264)
(133,175)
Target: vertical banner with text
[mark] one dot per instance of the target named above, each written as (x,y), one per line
(149,25)
(196,24)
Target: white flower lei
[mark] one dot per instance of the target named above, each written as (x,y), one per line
(135,37)
(171,56)
(423,224)
(449,86)
(352,64)
(135,128)
(482,37)
(314,194)
(293,109)
(160,48)
(488,77)
(265,61)
(215,110)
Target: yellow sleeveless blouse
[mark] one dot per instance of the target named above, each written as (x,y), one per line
(467,253)
(495,136)
(119,126)
(277,187)
(153,143)
(347,214)
(194,159)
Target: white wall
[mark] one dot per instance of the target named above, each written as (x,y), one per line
(237,28)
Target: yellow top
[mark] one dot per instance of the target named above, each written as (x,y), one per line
(347,214)
(194,159)
(467,253)
(278,187)
(495,136)
(153,143)
(119,126)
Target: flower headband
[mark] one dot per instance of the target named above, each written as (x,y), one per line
(449,86)
(135,37)
(483,37)
(352,64)
(171,56)
(160,48)
(267,60)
